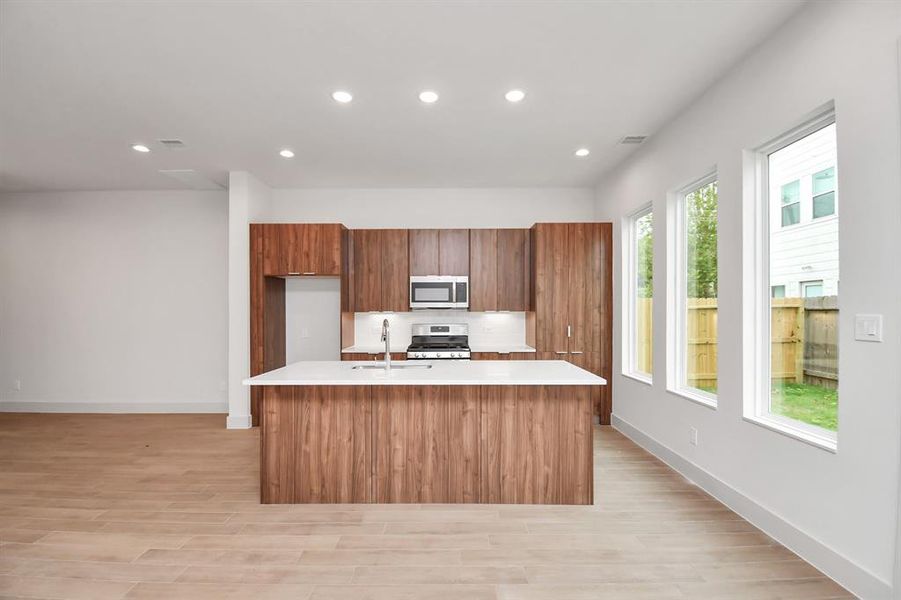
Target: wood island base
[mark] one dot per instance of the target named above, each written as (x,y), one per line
(489,444)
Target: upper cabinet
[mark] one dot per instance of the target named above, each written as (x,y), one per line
(302,249)
(380,270)
(439,252)
(514,269)
(500,269)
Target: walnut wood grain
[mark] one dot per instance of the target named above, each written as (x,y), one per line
(551,287)
(503,356)
(424,252)
(315,445)
(513,269)
(453,252)
(426,444)
(367,270)
(395,260)
(483,263)
(536,445)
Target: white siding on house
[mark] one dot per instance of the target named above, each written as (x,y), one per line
(807,251)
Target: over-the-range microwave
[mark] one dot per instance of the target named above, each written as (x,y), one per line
(439,291)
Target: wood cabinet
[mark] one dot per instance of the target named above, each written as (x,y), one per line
(500,269)
(425,443)
(277,251)
(572,297)
(380,270)
(351,356)
(301,249)
(316,444)
(503,356)
(439,252)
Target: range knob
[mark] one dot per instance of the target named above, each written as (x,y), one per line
(454,355)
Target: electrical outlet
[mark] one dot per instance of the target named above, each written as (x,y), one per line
(17,385)
(304,333)
(693,436)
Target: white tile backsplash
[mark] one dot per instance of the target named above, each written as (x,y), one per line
(489,329)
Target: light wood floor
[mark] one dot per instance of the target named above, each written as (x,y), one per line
(166,506)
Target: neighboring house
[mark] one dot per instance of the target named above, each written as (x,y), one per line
(804,208)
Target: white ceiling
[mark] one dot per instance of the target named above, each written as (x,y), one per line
(237,81)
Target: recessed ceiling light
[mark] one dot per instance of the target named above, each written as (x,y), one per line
(140,148)
(428,96)
(342,96)
(286,153)
(582,152)
(515,95)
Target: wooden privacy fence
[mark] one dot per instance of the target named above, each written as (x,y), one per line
(804,340)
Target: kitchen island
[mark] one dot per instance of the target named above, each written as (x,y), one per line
(427,432)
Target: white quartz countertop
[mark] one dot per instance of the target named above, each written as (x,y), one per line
(376,349)
(442,372)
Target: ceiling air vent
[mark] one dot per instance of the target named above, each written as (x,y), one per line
(173,144)
(633,139)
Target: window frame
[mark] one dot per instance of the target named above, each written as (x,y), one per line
(811,283)
(783,206)
(814,195)
(756,380)
(677,293)
(630,294)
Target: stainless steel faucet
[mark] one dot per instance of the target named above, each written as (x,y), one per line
(386,337)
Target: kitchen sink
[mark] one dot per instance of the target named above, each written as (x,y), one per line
(393,366)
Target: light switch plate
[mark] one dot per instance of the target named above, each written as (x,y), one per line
(868,328)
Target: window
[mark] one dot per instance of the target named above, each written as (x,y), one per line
(638,345)
(692,335)
(823,186)
(791,203)
(793,386)
(811,289)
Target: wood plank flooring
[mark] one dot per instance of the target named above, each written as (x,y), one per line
(166,506)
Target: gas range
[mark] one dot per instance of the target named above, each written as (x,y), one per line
(439,341)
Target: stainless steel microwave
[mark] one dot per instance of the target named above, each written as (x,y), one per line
(439,291)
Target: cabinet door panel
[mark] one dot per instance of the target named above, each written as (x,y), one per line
(276,239)
(424,252)
(321,249)
(591,362)
(551,286)
(585,282)
(411,444)
(483,261)
(395,265)
(485,356)
(513,269)
(367,271)
(453,252)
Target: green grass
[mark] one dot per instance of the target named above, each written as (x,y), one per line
(808,403)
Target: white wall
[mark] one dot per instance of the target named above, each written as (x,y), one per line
(432,207)
(312,318)
(113,301)
(838,510)
(248,201)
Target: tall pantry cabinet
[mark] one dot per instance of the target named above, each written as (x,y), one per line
(572,298)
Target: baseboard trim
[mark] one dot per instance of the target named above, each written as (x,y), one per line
(41,406)
(852,576)
(238,422)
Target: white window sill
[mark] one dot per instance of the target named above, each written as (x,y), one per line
(699,397)
(640,378)
(824,441)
